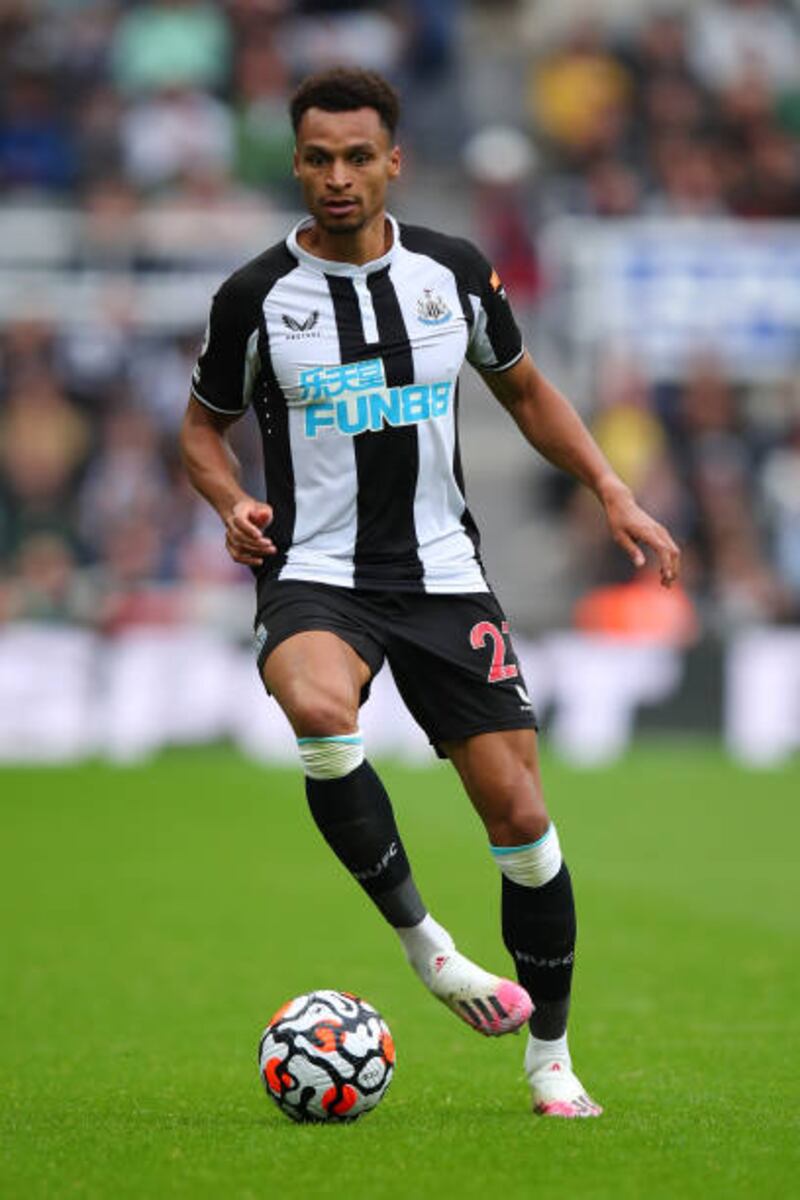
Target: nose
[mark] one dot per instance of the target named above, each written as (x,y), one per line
(338,175)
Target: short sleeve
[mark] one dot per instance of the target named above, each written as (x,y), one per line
(495,341)
(223,377)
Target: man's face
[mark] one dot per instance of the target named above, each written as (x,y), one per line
(344,161)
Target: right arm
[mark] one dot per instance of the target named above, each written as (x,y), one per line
(213,471)
(221,385)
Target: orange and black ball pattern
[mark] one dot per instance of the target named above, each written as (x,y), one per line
(326,1056)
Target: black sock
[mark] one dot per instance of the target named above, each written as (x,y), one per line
(539,932)
(354,815)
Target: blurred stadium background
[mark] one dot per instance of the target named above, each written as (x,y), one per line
(633,170)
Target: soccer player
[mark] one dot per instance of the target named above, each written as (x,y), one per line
(347,339)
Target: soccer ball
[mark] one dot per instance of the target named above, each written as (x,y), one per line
(327,1056)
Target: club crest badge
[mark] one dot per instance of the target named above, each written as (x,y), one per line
(432,309)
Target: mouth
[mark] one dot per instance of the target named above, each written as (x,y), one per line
(340,206)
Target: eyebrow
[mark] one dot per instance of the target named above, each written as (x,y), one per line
(358,146)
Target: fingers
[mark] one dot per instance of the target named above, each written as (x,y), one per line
(246,552)
(668,554)
(244,539)
(669,560)
(257,513)
(633,551)
(248,533)
(250,517)
(658,539)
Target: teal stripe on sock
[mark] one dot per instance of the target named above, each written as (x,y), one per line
(499,851)
(349,739)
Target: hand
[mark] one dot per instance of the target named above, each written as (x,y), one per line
(244,540)
(630,525)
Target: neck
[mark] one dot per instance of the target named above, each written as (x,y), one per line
(361,246)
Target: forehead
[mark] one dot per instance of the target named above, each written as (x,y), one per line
(341,128)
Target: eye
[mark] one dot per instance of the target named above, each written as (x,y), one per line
(361,158)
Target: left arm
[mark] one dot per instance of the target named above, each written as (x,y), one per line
(553,427)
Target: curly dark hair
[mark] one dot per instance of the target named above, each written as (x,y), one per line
(343,89)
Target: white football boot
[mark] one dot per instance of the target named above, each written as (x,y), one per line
(488,1003)
(556,1090)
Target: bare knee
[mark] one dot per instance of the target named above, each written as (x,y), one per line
(317,680)
(319,711)
(517,814)
(500,772)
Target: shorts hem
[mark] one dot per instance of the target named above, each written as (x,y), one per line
(319,626)
(485,727)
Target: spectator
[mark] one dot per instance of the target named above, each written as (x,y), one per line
(37,149)
(110,236)
(328,33)
(718,465)
(633,438)
(627,430)
(44,442)
(172,130)
(159,371)
(669,98)
(673,105)
(689,183)
(745,589)
(780,491)
(612,189)
(126,480)
(579,94)
(46,584)
(659,49)
(171,43)
(746,105)
(728,37)
(500,161)
(28,347)
(771,187)
(264,135)
(203,216)
(133,556)
(97,121)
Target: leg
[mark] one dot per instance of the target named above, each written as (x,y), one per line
(317,678)
(500,772)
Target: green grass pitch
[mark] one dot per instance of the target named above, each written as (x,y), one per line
(154,917)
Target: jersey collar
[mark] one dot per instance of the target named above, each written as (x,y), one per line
(341,268)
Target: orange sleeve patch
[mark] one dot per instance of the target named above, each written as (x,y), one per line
(495,281)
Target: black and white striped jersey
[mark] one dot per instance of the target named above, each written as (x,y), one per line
(353,374)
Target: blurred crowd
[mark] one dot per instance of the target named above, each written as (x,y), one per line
(170,106)
(709,459)
(693,114)
(168,96)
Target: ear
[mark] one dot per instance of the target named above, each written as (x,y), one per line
(395,162)
(295,162)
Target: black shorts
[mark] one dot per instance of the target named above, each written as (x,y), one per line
(451,656)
